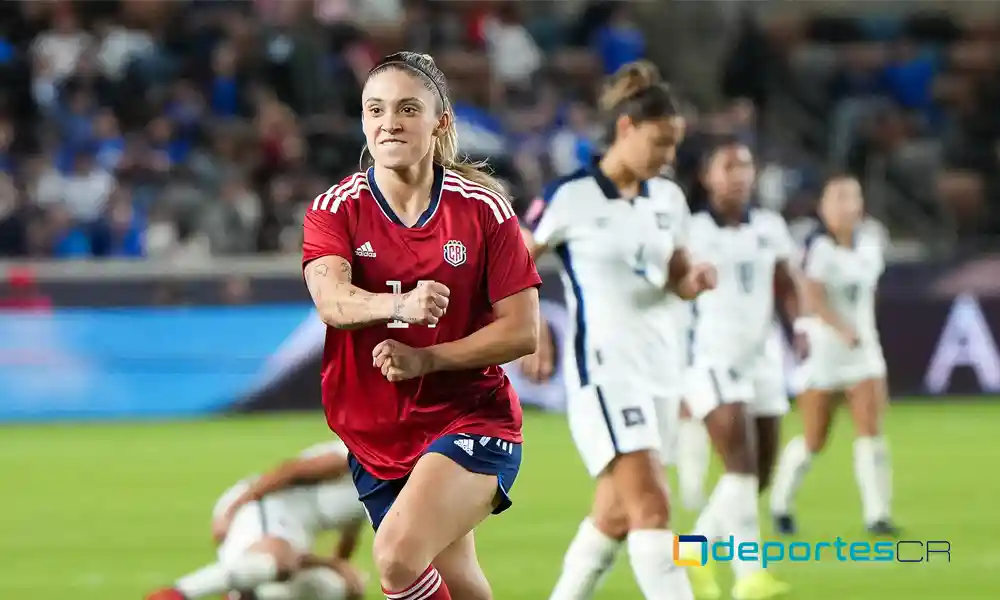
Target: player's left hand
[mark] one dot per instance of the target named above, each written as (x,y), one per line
(399,362)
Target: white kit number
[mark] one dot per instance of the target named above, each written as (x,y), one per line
(397,288)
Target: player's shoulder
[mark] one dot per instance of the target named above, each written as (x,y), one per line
(479,199)
(767,220)
(817,238)
(571,184)
(331,447)
(664,187)
(343,194)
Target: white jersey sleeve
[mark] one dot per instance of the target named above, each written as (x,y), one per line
(780,237)
(819,262)
(552,227)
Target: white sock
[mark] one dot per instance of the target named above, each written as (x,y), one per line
(245,573)
(738,515)
(693,455)
(319,582)
(873,474)
(708,523)
(651,552)
(792,468)
(588,558)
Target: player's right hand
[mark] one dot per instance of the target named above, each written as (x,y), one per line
(220,526)
(538,367)
(353,578)
(424,304)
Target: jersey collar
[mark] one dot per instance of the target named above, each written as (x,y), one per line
(821,229)
(611,191)
(721,222)
(391,214)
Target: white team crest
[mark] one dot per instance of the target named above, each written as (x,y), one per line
(454,253)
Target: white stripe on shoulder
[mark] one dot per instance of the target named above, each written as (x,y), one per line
(350,186)
(473,187)
(453,187)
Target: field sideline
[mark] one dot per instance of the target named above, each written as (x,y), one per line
(107,512)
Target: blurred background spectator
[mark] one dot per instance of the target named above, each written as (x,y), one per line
(172,128)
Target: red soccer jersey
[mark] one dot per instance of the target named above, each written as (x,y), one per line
(469,240)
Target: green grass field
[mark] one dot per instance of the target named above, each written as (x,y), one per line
(108,512)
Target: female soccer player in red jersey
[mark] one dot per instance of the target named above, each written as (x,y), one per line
(418,268)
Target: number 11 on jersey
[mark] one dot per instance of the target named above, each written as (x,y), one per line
(397,288)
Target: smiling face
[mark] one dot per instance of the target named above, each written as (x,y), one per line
(401,118)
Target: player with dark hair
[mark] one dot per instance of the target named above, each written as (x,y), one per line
(843,263)
(266,527)
(619,230)
(419,270)
(735,382)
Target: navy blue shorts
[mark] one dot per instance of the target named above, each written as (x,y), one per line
(475,453)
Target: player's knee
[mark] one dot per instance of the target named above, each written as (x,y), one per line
(398,559)
(615,524)
(286,558)
(648,509)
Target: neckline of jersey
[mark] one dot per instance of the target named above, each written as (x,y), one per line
(721,221)
(608,187)
(390,214)
(822,229)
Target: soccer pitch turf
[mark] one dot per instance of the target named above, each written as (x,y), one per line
(108,512)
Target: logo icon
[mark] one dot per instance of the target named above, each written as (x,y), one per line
(687,560)
(466,444)
(454,253)
(365,250)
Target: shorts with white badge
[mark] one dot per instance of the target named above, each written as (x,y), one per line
(761,386)
(832,365)
(271,516)
(614,418)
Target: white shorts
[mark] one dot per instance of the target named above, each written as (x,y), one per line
(269,517)
(833,366)
(617,418)
(761,386)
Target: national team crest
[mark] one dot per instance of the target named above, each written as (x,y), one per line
(454,253)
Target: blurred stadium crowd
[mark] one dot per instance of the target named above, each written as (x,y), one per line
(173,128)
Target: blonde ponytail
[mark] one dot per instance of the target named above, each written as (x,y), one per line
(446,155)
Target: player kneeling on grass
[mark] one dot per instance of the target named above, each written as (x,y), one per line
(266,526)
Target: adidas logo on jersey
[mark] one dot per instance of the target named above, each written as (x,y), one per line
(366,250)
(466,444)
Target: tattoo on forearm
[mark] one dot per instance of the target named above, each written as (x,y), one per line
(321,270)
(345,268)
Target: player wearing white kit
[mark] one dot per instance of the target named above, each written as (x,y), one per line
(843,262)
(266,527)
(618,229)
(735,382)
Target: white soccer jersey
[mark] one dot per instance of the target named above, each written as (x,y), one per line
(731,324)
(614,256)
(849,276)
(326,506)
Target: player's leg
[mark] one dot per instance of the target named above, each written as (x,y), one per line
(459,567)
(311,584)
(816,407)
(719,398)
(248,558)
(594,547)
(769,408)
(458,482)
(693,456)
(868,401)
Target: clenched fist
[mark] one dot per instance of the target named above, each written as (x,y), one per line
(424,304)
(399,362)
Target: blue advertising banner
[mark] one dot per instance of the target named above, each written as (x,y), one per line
(140,362)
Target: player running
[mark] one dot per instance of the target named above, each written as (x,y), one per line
(843,263)
(736,383)
(266,527)
(418,268)
(619,231)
